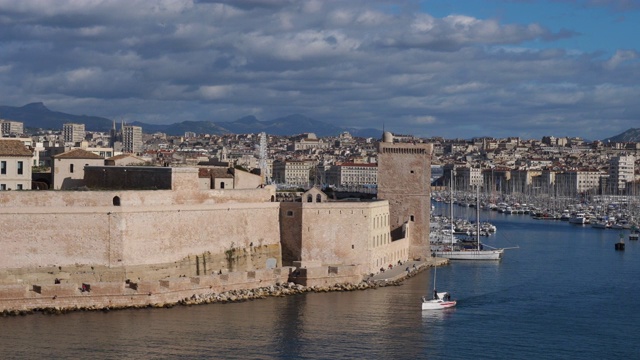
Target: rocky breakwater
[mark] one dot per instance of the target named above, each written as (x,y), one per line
(278,291)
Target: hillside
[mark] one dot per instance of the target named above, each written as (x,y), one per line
(38,116)
(631,135)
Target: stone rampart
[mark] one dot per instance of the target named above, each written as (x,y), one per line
(32,200)
(142,235)
(348,233)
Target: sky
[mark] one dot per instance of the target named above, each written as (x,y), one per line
(449,68)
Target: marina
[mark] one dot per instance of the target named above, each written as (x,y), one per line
(600,212)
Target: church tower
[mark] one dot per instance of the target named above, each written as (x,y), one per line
(404,179)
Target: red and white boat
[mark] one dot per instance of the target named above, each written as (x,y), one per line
(440,300)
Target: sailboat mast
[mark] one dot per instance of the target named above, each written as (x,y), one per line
(435,269)
(451,205)
(478,215)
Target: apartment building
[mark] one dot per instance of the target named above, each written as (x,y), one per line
(8,127)
(293,172)
(131,139)
(73,133)
(352,174)
(621,171)
(578,181)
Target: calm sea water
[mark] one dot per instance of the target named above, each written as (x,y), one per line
(564,294)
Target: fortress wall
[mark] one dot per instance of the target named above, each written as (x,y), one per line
(339,232)
(23,200)
(164,234)
(291,232)
(53,237)
(349,233)
(390,254)
(27,199)
(118,236)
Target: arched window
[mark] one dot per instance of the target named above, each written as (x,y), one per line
(222,185)
(116,201)
(309,198)
(318,198)
(273,198)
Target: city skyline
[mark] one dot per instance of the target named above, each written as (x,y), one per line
(459,69)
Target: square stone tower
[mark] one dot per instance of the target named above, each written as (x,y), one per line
(404,179)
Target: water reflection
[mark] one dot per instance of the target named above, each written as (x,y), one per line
(430,317)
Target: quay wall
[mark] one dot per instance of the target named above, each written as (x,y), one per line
(101,295)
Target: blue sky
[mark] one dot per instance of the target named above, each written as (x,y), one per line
(599,26)
(457,68)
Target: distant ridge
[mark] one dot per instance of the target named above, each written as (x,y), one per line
(631,135)
(37,115)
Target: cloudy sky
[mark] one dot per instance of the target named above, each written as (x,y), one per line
(451,68)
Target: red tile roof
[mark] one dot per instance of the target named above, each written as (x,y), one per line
(14,148)
(78,154)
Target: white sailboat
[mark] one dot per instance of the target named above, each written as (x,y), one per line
(440,300)
(453,252)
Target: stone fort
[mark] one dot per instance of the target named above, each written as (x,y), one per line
(142,246)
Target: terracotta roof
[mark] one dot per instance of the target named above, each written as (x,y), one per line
(215,173)
(14,148)
(124,156)
(78,154)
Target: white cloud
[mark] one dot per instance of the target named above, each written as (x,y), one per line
(619,57)
(215,92)
(427,119)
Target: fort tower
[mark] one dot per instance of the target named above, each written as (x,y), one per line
(404,179)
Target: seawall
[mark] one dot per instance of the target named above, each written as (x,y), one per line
(227,287)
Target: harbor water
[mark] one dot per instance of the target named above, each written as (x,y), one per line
(565,293)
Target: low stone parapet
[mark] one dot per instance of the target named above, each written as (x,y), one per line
(344,270)
(107,288)
(234,281)
(176,284)
(212,282)
(13,291)
(57,289)
(148,286)
(326,275)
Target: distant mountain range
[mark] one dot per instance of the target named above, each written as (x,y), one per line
(631,135)
(37,115)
